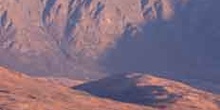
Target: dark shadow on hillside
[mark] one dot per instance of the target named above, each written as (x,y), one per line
(124,89)
(187,44)
(47,9)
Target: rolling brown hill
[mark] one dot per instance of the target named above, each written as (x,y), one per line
(20,92)
(122,92)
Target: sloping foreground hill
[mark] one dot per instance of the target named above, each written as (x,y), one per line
(142,89)
(121,92)
(20,92)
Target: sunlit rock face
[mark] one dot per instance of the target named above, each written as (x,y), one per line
(69,37)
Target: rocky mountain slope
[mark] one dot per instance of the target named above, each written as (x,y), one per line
(86,38)
(122,92)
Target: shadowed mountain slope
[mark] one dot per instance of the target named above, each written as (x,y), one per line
(152,91)
(187,43)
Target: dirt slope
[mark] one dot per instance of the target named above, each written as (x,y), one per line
(147,90)
(20,92)
(121,92)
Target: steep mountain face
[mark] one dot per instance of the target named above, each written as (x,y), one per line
(57,36)
(67,37)
(187,43)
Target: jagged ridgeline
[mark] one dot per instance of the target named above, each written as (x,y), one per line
(72,37)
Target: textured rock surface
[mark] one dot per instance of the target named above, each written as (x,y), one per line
(57,36)
(72,37)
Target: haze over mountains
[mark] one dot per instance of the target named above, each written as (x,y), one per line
(87,38)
